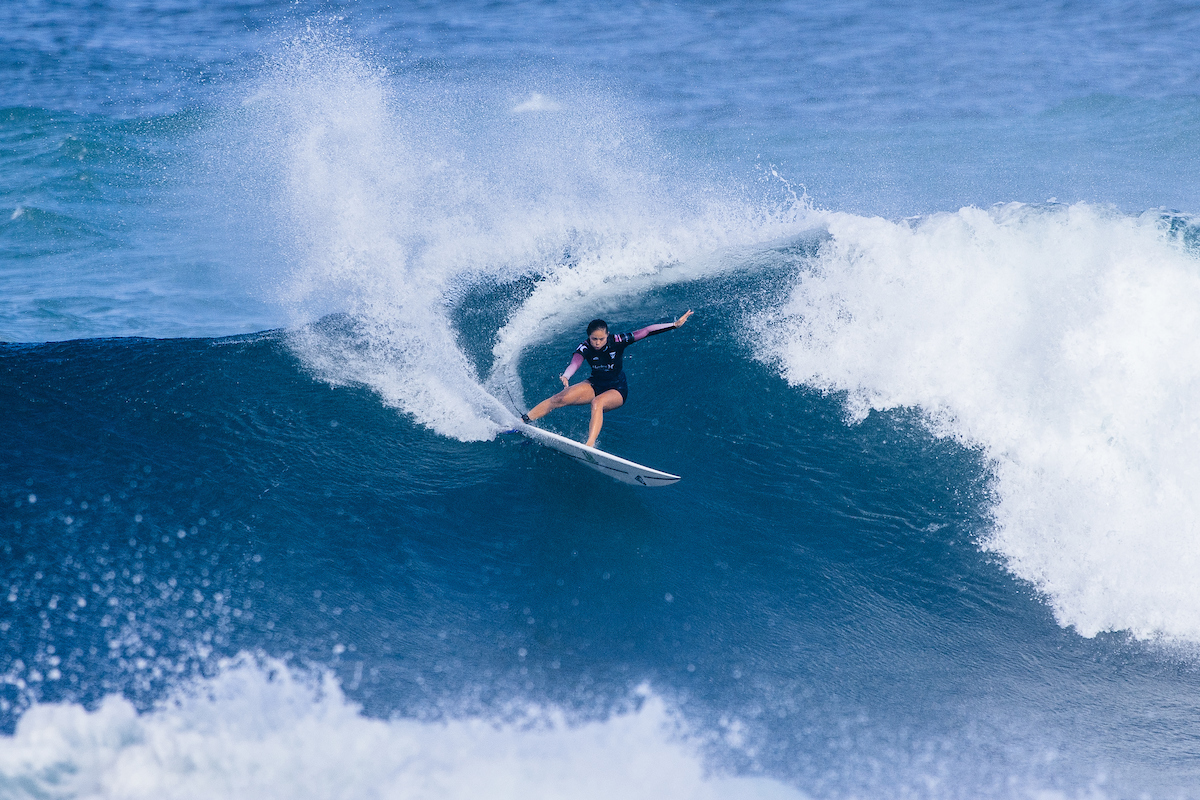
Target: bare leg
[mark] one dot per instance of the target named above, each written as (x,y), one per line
(577,395)
(606,401)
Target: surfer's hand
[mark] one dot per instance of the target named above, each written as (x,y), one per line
(679,322)
(566,382)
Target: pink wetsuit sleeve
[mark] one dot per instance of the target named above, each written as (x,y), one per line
(650,330)
(576,361)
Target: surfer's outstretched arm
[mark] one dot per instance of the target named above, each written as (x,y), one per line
(584,392)
(662,327)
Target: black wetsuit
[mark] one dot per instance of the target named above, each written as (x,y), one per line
(606,364)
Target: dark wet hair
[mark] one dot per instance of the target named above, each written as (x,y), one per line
(597,325)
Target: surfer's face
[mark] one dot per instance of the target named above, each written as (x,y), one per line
(598,338)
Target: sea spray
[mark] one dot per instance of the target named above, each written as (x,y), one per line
(394,195)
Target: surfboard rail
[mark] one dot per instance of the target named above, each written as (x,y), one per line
(621,469)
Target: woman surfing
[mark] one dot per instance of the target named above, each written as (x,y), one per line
(606,389)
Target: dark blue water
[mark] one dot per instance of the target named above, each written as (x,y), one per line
(264,270)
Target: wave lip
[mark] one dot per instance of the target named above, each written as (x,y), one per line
(1060,340)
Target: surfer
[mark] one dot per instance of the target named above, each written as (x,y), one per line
(606,389)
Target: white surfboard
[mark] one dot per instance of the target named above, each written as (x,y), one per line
(613,466)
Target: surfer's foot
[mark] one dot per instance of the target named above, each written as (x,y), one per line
(525,418)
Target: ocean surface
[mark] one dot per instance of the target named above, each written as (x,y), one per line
(274,275)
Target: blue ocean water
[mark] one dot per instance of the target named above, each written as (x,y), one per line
(264,269)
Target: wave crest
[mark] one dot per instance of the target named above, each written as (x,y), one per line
(1062,341)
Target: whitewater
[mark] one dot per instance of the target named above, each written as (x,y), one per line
(1057,339)
(266,533)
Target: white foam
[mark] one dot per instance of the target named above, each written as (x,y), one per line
(396,199)
(347,197)
(261,731)
(1065,342)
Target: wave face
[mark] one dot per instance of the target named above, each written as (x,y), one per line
(272,286)
(810,605)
